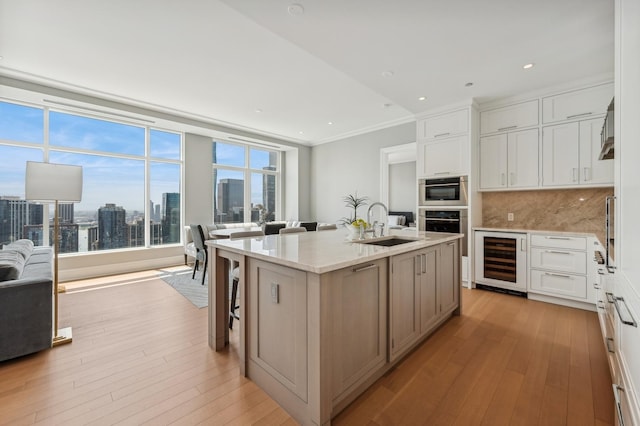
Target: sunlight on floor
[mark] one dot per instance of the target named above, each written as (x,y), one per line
(122,279)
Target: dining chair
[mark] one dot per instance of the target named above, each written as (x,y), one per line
(292,230)
(272,228)
(327,226)
(235,275)
(202,255)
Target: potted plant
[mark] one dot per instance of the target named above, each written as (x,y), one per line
(353,222)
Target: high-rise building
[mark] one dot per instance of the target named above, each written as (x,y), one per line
(171,217)
(135,234)
(230,201)
(269,192)
(112,227)
(65,213)
(15,215)
(92,238)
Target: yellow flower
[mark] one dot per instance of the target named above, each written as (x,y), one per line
(359,222)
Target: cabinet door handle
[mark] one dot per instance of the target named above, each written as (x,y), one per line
(557,238)
(600,304)
(423,261)
(364,268)
(596,286)
(575,174)
(512,178)
(506,128)
(610,297)
(441,135)
(586,174)
(623,311)
(609,341)
(579,115)
(502,176)
(569,277)
(418,264)
(616,396)
(442,173)
(557,252)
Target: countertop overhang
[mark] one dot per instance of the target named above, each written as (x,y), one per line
(325,251)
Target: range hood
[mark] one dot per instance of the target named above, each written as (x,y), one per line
(606,150)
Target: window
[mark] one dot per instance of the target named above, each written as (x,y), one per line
(244,193)
(120,163)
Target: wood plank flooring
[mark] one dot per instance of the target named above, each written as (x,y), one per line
(140,356)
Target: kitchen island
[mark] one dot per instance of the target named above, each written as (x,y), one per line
(323,317)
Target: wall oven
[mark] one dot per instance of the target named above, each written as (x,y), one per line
(450,191)
(449,220)
(501,260)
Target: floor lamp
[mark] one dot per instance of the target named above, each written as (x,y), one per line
(54,183)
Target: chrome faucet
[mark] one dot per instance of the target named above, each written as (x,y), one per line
(386,213)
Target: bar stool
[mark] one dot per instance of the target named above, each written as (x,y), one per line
(235,275)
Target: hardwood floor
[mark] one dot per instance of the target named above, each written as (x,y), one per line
(140,356)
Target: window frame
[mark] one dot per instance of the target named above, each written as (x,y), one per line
(147,159)
(247,171)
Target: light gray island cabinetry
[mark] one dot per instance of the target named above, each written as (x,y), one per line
(318,311)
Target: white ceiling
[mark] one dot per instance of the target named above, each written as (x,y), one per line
(222,60)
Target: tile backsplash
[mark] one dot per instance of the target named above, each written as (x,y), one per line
(571,210)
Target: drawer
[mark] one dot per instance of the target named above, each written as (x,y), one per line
(559,241)
(572,262)
(565,285)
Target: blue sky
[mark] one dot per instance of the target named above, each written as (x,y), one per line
(106,179)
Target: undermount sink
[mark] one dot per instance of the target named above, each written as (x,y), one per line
(387,242)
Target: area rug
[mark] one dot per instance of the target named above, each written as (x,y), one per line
(193,290)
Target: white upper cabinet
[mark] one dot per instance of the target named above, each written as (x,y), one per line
(560,155)
(578,104)
(509,118)
(570,155)
(446,157)
(593,171)
(509,160)
(443,126)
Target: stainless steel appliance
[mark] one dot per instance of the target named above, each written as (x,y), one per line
(449,220)
(609,233)
(501,260)
(450,191)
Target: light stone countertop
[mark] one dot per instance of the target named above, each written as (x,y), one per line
(325,251)
(535,231)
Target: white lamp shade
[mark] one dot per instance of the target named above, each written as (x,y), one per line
(50,182)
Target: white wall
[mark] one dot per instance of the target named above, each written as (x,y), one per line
(353,164)
(403,186)
(198,179)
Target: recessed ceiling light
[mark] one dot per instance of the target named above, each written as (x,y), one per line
(422,98)
(295,9)
(528,66)
(330,123)
(258,110)
(301,132)
(387,74)
(469,84)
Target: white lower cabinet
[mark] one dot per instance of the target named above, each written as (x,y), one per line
(558,267)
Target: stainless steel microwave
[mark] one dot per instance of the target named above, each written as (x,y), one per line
(450,191)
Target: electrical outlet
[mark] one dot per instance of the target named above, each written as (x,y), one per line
(510,217)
